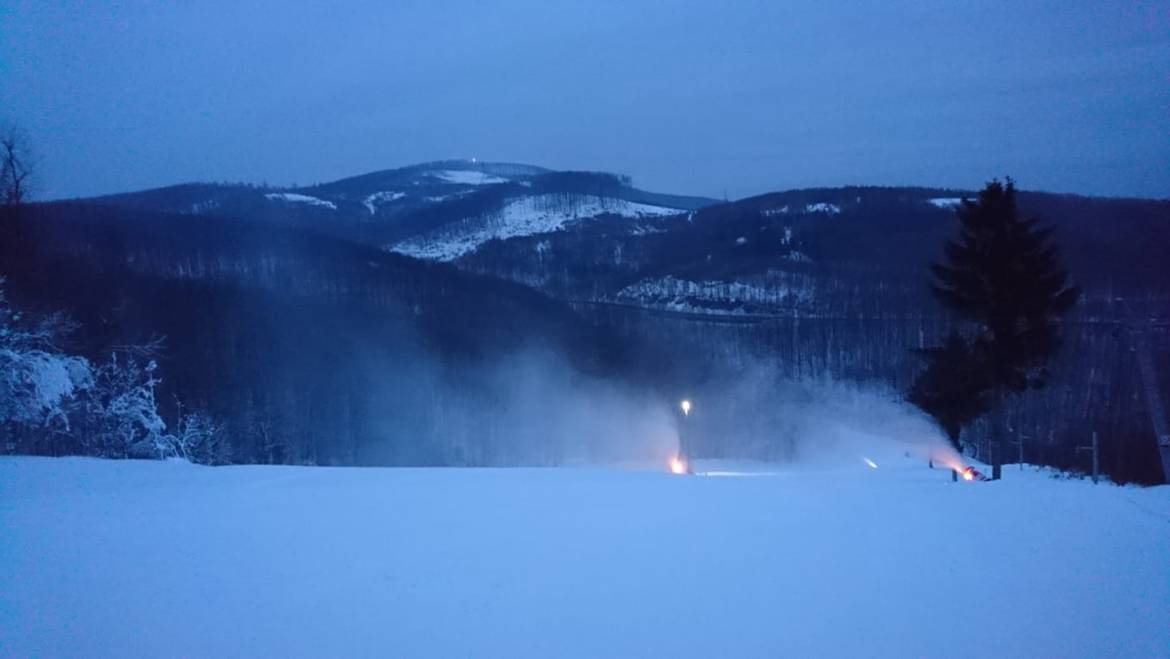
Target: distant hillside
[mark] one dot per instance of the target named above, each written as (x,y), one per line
(439,210)
(686,295)
(847,252)
(833,283)
(310,348)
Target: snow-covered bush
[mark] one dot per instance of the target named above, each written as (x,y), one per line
(38,381)
(121,413)
(53,402)
(198,438)
(36,386)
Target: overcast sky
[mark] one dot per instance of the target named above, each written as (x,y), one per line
(711,98)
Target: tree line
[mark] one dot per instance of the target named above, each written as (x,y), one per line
(53,402)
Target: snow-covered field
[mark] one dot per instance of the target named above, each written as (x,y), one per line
(168,559)
(524,216)
(468,177)
(295,198)
(371,202)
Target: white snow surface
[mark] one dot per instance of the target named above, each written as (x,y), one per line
(133,558)
(467,177)
(818,207)
(523,216)
(944,202)
(36,383)
(200,207)
(714,297)
(371,202)
(822,207)
(300,199)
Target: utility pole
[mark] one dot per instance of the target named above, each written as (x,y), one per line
(997,442)
(1095,448)
(1096,459)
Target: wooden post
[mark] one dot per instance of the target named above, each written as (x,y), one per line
(998,445)
(1095,448)
(991,447)
(1096,459)
(996,438)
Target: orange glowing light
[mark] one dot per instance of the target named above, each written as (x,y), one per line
(678,465)
(968,474)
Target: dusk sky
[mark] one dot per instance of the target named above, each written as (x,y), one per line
(710,98)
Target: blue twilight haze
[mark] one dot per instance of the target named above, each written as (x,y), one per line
(711,98)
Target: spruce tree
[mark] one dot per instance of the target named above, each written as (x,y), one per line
(952,388)
(1002,275)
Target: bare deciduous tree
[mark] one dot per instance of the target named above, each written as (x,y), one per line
(16,166)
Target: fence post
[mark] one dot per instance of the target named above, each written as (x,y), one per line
(1096,458)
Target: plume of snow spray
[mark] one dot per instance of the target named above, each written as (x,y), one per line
(816,422)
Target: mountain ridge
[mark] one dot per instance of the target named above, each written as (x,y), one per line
(811,282)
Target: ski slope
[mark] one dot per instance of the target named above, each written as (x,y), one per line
(104,559)
(523,216)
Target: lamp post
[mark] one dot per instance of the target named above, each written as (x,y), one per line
(683,444)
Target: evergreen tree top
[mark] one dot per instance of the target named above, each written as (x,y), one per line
(1003,274)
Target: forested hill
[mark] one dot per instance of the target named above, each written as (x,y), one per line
(438,210)
(832,252)
(591,236)
(334,294)
(303,343)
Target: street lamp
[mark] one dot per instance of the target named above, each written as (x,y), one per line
(680,464)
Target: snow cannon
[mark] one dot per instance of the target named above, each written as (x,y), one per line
(970,474)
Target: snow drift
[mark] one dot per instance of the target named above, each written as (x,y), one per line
(130,558)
